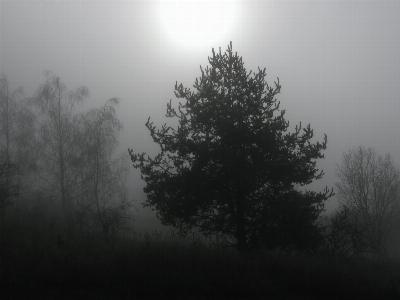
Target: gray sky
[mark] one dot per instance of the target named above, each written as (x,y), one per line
(338,61)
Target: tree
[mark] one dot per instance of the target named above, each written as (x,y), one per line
(230,166)
(103,206)
(16,131)
(344,235)
(370,186)
(59,138)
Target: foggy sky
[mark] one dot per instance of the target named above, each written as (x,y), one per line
(338,63)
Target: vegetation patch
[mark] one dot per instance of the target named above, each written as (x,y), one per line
(168,265)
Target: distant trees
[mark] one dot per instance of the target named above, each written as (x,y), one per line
(63,158)
(77,157)
(230,166)
(58,137)
(369,188)
(16,132)
(103,203)
(8,188)
(345,235)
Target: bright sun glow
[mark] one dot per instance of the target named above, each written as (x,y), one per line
(194,24)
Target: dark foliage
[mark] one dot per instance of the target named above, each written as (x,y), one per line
(40,259)
(8,189)
(345,235)
(230,166)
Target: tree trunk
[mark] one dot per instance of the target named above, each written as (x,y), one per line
(240,221)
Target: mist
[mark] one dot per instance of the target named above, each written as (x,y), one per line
(338,63)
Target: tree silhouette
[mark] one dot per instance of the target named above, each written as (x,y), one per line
(230,166)
(370,187)
(16,132)
(103,174)
(58,137)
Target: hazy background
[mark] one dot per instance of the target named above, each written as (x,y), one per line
(338,64)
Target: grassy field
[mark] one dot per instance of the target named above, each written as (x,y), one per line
(39,261)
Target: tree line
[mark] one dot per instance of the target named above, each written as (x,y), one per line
(231,168)
(55,158)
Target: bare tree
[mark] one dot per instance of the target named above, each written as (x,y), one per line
(370,187)
(16,131)
(58,137)
(104,194)
(345,235)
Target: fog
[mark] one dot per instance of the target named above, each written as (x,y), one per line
(338,63)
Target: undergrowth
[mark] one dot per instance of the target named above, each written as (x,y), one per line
(44,260)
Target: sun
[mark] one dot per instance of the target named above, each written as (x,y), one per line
(195,24)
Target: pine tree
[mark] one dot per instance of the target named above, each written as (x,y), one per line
(230,167)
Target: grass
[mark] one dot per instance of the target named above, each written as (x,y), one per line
(34,265)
